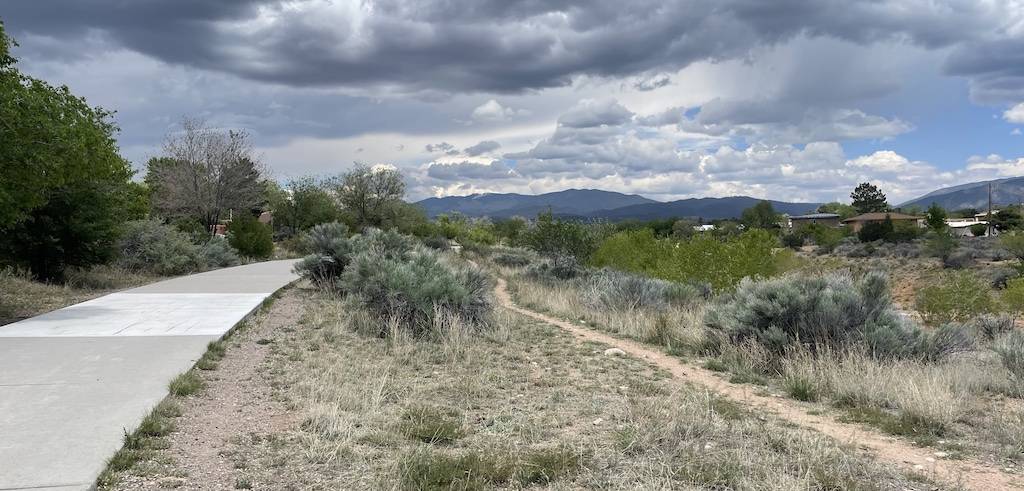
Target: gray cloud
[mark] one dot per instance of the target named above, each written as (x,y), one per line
(443,147)
(469,170)
(502,46)
(481,148)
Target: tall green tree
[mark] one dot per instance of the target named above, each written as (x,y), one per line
(64,189)
(935,217)
(867,198)
(302,204)
(843,210)
(761,215)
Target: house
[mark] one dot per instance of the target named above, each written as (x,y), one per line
(961,227)
(826,219)
(858,222)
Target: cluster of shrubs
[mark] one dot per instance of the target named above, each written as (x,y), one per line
(608,289)
(854,248)
(397,279)
(150,246)
(833,311)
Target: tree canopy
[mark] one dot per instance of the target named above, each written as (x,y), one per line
(371,195)
(761,215)
(65,188)
(867,198)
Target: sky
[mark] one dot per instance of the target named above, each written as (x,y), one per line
(793,100)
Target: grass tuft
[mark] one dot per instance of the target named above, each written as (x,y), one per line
(186,384)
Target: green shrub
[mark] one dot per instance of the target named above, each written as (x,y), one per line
(437,242)
(250,237)
(152,247)
(941,245)
(1013,296)
(513,258)
(991,326)
(330,251)
(218,253)
(609,289)
(792,240)
(431,425)
(555,269)
(720,262)
(979,229)
(556,237)
(958,296)
(829,310)
(418,291)
(1014,243)
(872,231)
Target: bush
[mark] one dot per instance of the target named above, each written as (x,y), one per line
(978,229)
(831,310)
(957,297)
(992,326)
(1013,242)
(941,245)
(873,231)
(555,237)
(250,237)
(152,247)
(558,268)
(1013,296)
(330,251)
(1010,348)
(792,240)
(722,263)
(421,292)
(958,259)
(615,290)
(437,242)
(218,253)
(513,259)
(998,277)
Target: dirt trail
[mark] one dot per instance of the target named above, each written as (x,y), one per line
(969,473)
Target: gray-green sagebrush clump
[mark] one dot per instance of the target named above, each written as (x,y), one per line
(833,311)
(397,279)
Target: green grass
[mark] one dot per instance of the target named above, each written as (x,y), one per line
(214,353)
(186,384)
(141,444)
(426,468)
(431,424)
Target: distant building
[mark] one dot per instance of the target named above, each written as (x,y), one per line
(826,219)
(704,228)
(858,222)
(961,227)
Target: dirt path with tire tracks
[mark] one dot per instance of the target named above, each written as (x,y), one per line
(968,473)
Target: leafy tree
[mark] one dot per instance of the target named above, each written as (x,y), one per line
(64,189)
(250,237)
(370,194)
(552,237)
(683,228)
(867,198)
(302,204)
(935,217)
(204,173)
(1007,219)
(761,215)
(512,230)
(843,210)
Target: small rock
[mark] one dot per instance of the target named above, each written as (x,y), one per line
(918,467)
(623,388)
(598,421)
(614,352)
(941,455)
(929,459)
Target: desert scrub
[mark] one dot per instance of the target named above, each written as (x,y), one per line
(556,269)
(615,290)
(431,424)
(956,296)
(831,310)
(152,247)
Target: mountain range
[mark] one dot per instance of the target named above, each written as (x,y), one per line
(974,195)
(594,203)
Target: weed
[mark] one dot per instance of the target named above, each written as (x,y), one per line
(186,384)
(431,424)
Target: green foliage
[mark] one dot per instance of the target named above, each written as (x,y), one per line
(429,469)
(957,296)
(431,424)
(1013,242)
(186,384)
(873,231)
(512,230)
(683,229)
(868,198)
(1008,219)
(762,215)
(792,240)
(940,244)
(302,204)
(250,237)
(152,247)
(370,195)
(843,210)
(1013,296)
(722,263)
(513,258)
(330,252)
(979,229)
(830,310)
(825,237)
(556,269)
(64,189)
(551,236)
(935,217)
(991,326)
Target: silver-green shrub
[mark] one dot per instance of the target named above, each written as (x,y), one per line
(149,246)
(557,268)
(609,289)
(218,253)
(1010,347)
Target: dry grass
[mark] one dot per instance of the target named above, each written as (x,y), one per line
(21,297)
(519,406)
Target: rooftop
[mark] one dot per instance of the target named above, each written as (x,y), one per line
(813,216)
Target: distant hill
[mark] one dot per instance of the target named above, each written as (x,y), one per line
(592,203)
(575,202)
(974,195)
(706,208)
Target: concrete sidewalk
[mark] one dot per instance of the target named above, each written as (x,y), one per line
(74,380)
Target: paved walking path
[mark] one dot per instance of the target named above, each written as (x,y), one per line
(74,380)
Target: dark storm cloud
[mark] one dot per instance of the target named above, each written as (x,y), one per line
(995,69)
(498,45)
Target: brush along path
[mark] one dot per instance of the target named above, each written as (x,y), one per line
(969,473)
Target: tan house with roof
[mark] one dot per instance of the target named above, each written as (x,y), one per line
(858,222)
